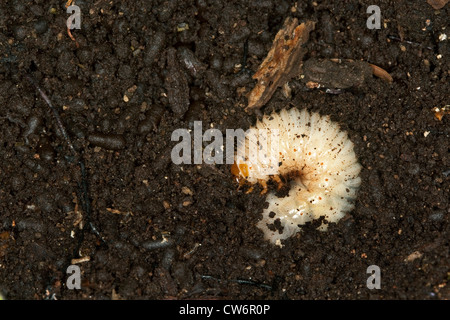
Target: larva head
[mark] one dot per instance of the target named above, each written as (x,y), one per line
(240,172)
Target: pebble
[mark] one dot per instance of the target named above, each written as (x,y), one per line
(187,191)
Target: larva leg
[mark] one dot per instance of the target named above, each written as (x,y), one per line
(263,184)
(278,180)
(249,190)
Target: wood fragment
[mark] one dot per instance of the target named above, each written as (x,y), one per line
(283,61)
(335,73)
(116,211)
(437,4)
(81,260)
(440,112)
(381,73)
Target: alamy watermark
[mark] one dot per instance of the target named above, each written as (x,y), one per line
(374,21)
(374,281)
(254,145)
(74,280)
(74,21)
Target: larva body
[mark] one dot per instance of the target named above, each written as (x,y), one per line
(320,157)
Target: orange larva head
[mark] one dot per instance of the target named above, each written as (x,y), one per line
(239,171)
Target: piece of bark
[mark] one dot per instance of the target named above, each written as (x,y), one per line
(437,4)
(283,62)
(341,74)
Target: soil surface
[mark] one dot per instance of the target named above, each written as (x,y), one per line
(138,70)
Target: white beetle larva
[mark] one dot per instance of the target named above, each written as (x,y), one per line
(320,157)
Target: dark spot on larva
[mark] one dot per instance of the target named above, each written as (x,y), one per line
(278,226)
(272,214)
(280,163)
(347,189)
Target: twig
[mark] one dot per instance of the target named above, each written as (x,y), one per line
(55,114)
(239,281)
(83,184)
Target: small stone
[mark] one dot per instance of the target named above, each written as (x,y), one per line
(413,256)
(187,203)
(187,191)
(166,205)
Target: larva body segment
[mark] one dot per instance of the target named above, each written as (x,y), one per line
(319,156)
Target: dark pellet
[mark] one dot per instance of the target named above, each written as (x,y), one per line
(218,85)
(216,62)
(256,48)
(77,105)
(158,244)
(85,56)
(165,10)
(18,182)
(35,166)
(241,79)
(437,216)
(31,224)
(195,112)
(155,47)
(327,27)
(188,59)
(107,141)
(17,104)
(182,274)
(252,253)
(152,119)
(41,26)
(33,123)
(20,32)
(197,94)
(240,35)
(176,84)
(168,258)
(45,150)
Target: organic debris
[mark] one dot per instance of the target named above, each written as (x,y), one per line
(440,112)
(283,62)
(340,74)
(337,74)
(437,4)
(68,4)
(381,73)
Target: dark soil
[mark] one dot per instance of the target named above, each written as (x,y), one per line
(211,247)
